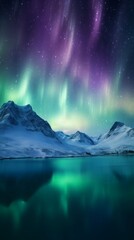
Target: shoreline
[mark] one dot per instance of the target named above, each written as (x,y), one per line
(55,157)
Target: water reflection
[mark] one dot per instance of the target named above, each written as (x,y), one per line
(88,198)
(20,180)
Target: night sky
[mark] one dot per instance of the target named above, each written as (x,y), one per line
(72,60)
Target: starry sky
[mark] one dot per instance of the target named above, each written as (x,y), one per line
(73,61)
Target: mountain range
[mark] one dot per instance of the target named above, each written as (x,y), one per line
(23,134)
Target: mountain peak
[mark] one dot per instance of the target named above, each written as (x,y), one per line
(78,133)
(116,125)
(11,105)
(82,138)
(8,104)
(24,116)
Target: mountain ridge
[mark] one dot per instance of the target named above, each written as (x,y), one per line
(25,134)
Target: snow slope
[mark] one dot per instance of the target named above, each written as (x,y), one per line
(119,139)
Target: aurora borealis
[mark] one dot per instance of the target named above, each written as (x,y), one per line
(71,60)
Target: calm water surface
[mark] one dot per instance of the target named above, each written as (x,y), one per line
(70,199)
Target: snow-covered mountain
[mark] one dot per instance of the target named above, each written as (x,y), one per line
(24,134)
(117,129)
(81,138)
(13,115)
(119,139)
(77,138)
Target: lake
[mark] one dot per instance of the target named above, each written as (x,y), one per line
(71,198)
